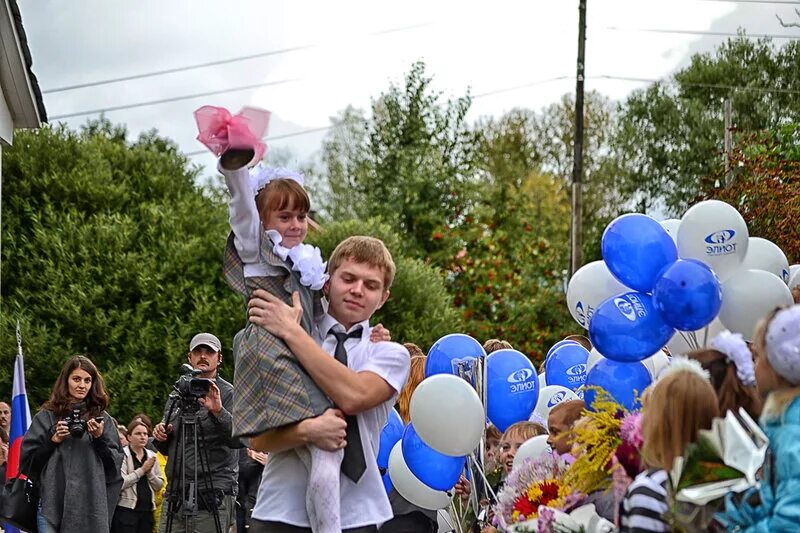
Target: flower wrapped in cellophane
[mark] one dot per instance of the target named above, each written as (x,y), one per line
(724,459)
(537,482)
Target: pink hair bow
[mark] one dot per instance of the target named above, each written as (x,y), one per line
(220,131)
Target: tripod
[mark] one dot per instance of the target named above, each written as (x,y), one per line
(185,493)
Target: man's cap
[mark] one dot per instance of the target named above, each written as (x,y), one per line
(206,339)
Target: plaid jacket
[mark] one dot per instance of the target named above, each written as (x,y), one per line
(270,387)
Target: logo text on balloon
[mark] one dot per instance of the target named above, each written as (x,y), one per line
(720,243)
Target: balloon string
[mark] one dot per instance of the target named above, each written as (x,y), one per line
(459,518)
(483,476)
(686,338)
(446,517)
(705,337)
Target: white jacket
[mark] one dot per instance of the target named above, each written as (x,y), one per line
(131,476)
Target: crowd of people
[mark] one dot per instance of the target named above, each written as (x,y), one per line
(292,444)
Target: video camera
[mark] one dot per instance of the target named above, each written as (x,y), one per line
(190,387)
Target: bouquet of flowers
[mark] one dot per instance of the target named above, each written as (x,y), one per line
(723,459)
(604,438)
(537,482)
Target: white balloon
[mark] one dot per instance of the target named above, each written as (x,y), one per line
(794,276)
(748,297)
(542,381)
(716,234)
(591,285)
(447,414)
(549,397)
(531,449)
(765,255)
(671,226)
(678,345)
(594,358)
(656,363)
(411,488)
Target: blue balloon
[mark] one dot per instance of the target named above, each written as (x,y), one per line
(567,366)
(434,469)
(558,345)
(628,328)
(512,388)
(688,295)
(636,248)
(447,352)
(625,382)
(387,483)
(391,433)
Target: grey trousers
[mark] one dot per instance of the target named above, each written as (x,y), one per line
(203,522)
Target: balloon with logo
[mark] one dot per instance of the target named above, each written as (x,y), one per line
(411,488)
(671,226)
(714,233)
(636,248)
(532,449)
(794,276)
(558,345)
(594,357)
(436,470)
(679,344)
(628,328)
(687,295)
(448,414)
(748,296)
(625,382)
(549,397)
(446,354)
(767,256)
(512,388)
(567,366)
(391,433)
(589,287)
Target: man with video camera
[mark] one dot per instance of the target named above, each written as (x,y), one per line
(201,401)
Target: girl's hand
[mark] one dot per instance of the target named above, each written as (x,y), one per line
(380,334)
(61,432)
(95,427)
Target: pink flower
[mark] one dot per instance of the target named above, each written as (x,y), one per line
(630,429)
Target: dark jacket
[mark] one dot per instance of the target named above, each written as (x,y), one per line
(79,479)
(215,442)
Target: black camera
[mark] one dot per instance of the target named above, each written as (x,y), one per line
(76,424)
(191,387)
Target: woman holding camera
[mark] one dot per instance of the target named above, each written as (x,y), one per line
(72,452)
(141,480)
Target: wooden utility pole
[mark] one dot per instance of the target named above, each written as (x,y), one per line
(728,143)
(576,227)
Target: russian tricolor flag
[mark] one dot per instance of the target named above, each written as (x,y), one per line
(20,422)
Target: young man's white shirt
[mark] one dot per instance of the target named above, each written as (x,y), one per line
(282,492)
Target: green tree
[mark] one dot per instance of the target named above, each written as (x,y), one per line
(410,163)
(419,309)
(671,133)
(109,250)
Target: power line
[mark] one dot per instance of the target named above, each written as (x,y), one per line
(540,82)
(173,99)
(218,62)
(700,32)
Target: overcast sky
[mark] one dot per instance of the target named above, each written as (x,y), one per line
(353,49)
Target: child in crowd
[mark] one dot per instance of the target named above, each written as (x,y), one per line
(776,505)
(514,437)
(492,345)
(415,377)
(491,450)
(730,364)
(560,421)
(268,213)
(679,405)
